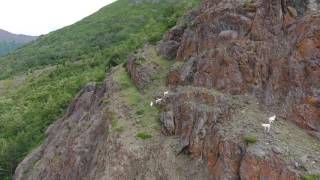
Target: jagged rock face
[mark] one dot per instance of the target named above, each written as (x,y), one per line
(73,152)
(307,116)
(168,49)
(240,48)
(140,71)
(201,119)
(259,48)
(195,114)
(86,145)
(253,168)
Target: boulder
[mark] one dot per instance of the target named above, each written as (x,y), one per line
(168,49)
(293,12)
(228,34)
(141,69)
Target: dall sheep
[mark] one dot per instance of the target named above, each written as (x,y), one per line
(158,101)
(266,127)
(272,118)
(151,104)
(165,93)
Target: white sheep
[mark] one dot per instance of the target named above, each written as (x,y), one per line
(165,93)
(266,127)
(151,104)
(158,101)
(272,118)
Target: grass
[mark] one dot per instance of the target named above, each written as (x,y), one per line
(116,127)
(250,139)
(311,177)
(140,112)
(143,135)
(138,102)
(119,129)
(129,92)
(145,117)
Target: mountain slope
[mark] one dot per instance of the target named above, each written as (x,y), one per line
(10,42)
(233,64)
(39,80)
(103,32)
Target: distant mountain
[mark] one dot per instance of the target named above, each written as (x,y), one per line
(10,42)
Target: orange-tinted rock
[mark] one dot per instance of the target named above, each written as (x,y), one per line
(307,48)
(274,57)
(270,167)
(288,20)
(307,116)
(140,70)
(195,115)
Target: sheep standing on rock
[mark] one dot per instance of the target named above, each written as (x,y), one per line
(272,118)
(158,101)
(165,93)
(266,127)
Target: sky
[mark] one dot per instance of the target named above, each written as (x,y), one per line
(36,17)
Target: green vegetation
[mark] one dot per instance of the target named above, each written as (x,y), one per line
(7,47)
(119,129)
(311,177)
(140,112)
(116,127)
(68,59)
(250,139)
(107,35)
(144,135)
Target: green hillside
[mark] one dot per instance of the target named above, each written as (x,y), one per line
(7,47)
(38,81)
(10,42)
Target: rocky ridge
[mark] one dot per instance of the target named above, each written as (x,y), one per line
(240,47)
(238,62)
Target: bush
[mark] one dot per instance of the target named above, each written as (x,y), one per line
(143,135)
(311,177)
(154,39)
(250,139)
(119,129)
(140,112)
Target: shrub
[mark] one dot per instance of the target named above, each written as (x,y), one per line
(143,135)
(119,129)
(311,177)
(140,112)
(153,39)
(250,139)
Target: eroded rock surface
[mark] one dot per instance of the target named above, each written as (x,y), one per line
(212,127)
(87,144)
(141,68)
(238,63)
(241,47)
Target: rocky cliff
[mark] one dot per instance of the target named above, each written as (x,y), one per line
(228,66)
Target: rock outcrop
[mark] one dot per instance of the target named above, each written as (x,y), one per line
(237,63)
(85,144)
(210,129)
(141,68)
(239,50)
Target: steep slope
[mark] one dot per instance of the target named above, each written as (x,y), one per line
(39,80)
(274,58)
(10,42)
(99,135)
(237,63)
(104,32)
